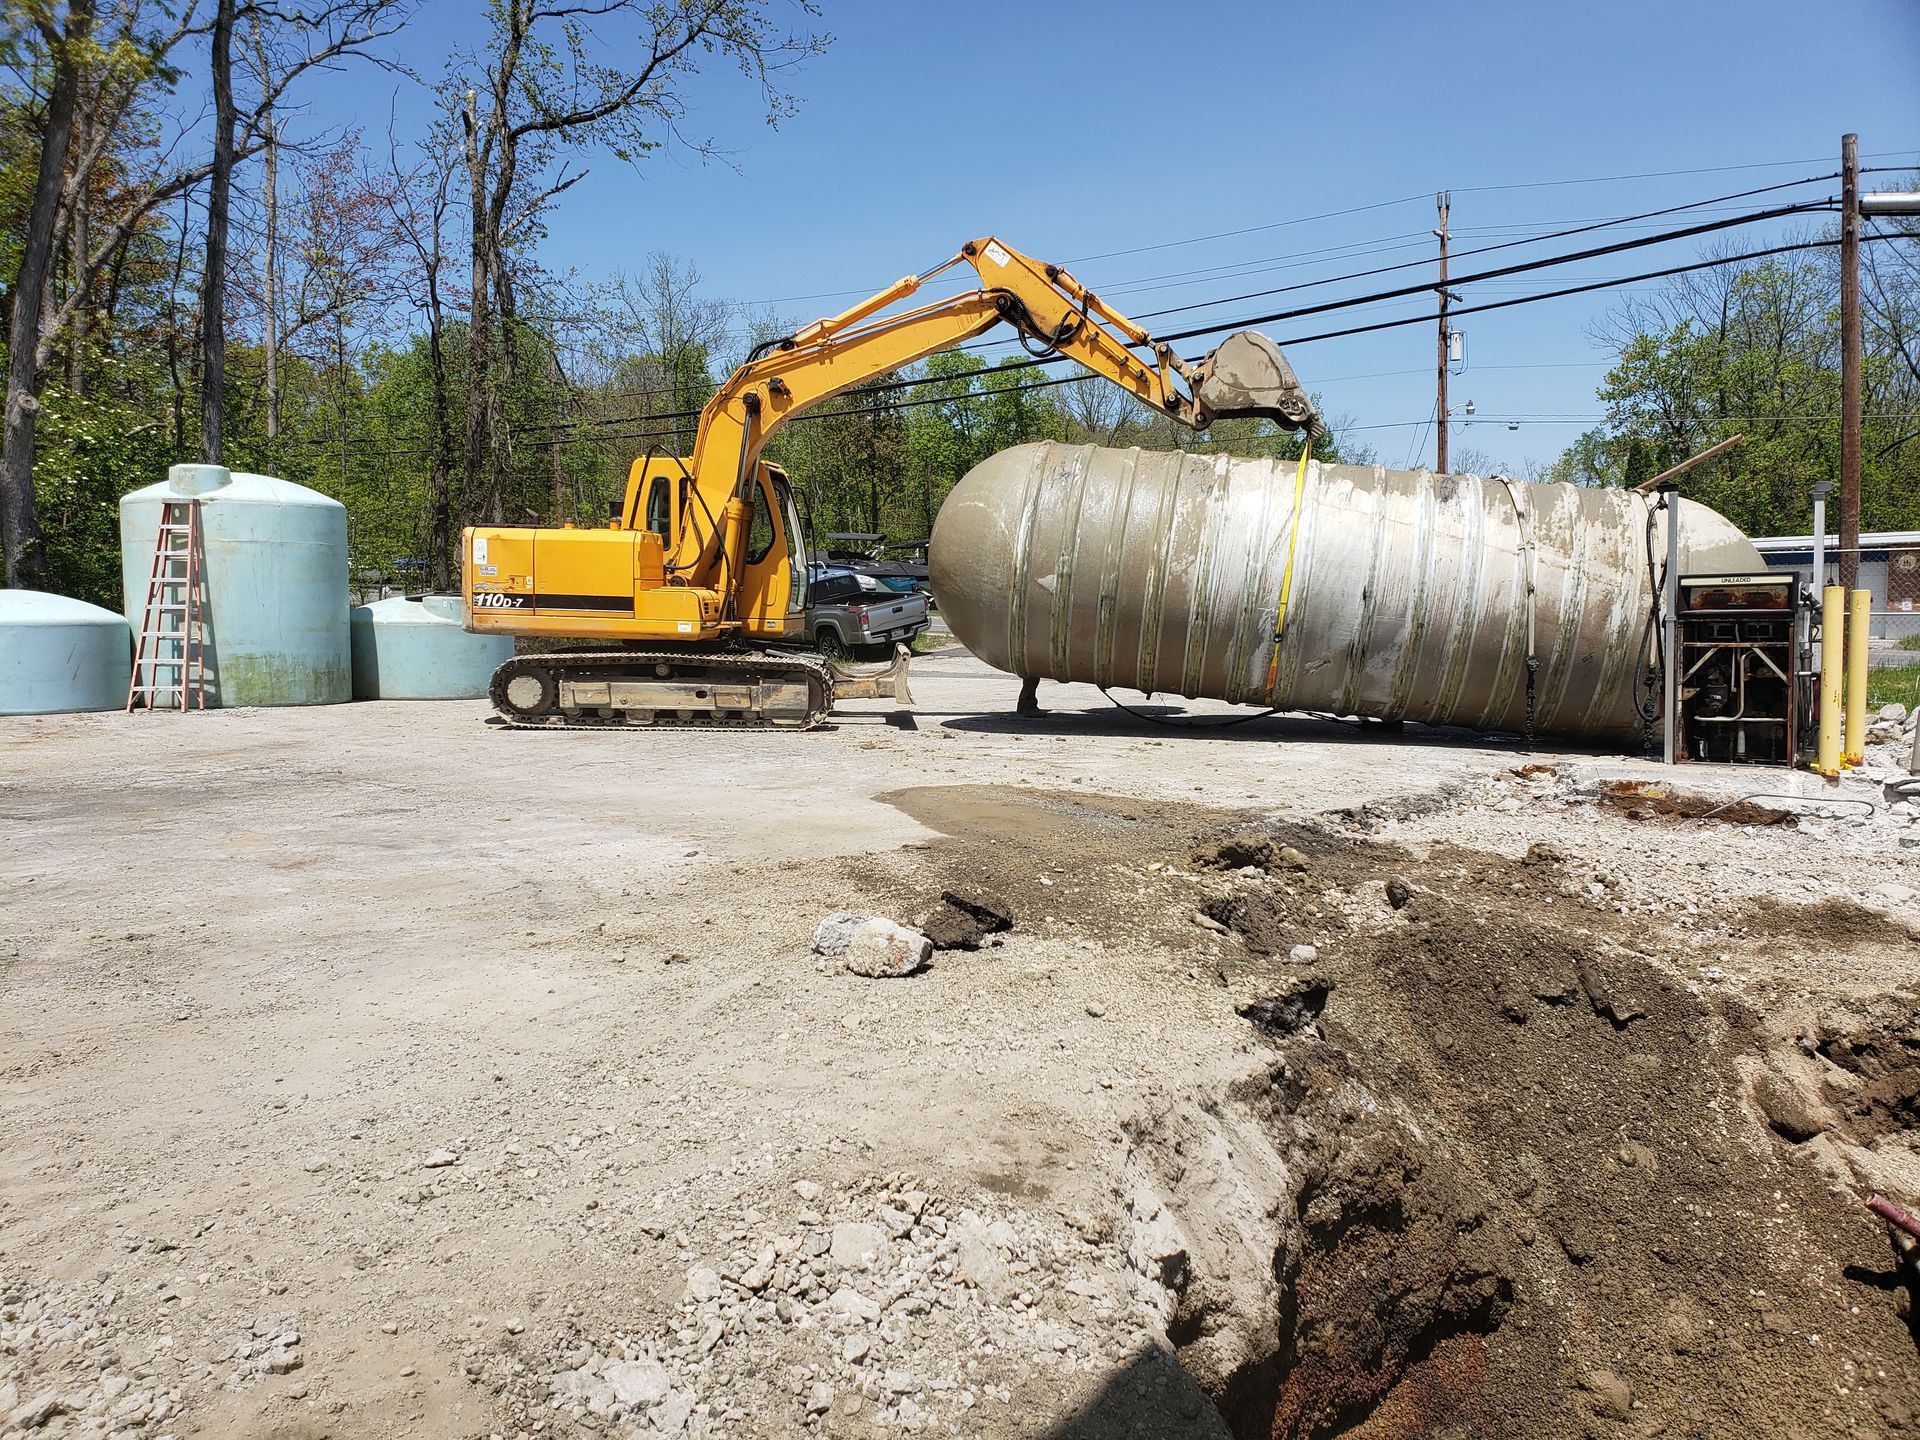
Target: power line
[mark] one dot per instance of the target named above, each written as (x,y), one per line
(1578,229)
(1388,204)
(1326,307)
(895,385)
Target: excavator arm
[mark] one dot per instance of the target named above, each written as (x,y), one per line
(1054,315)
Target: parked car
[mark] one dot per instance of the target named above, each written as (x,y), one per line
(848,611)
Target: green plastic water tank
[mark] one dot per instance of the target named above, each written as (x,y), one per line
(58,655)
(411,647)
(274,568)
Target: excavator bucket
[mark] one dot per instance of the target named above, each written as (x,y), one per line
(1248,376)
(888,681)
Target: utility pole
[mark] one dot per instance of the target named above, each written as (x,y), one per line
(1849,361)
(1444,202)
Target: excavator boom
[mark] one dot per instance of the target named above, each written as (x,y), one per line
(705,553)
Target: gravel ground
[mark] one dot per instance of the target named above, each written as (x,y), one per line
(372,1071)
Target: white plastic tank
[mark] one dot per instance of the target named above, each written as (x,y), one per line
(274,567)
(412,647)
(58,655)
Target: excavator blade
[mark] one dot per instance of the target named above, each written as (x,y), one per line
(1248,376)
(889,681)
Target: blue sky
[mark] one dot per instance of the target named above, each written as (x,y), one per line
(1079,130)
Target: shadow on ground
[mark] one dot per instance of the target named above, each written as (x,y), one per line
(1149,1395)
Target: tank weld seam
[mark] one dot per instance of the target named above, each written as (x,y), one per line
(1107,612)
(1062,611)
(1286,573)
(1520,625)
(1193,658)
(1358,646)
(1467,615)
(1407,670)
(1252,591)
(1153,617)
(1575,584)
(1022,550)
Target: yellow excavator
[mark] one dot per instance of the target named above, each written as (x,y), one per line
(705,567)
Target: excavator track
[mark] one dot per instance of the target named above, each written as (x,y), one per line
(664,690)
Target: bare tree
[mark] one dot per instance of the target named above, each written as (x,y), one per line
(678,332)
(420,199)
(329,34)
(541,89)
(1100,413)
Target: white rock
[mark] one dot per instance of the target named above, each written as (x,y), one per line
(761,1271)
(834,933)
(440,1159)
(314,1162)
(37,1411)
(807,1190)
(703,1283)
(1303,954)
(977,1263)
(856,1349)
(1896,712)
(670,1416)
(850,1302)
(637,1382)
(590,1390)
(854,1241)
(881,949)
(819,1398)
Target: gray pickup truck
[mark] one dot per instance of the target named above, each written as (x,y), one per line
(848,611)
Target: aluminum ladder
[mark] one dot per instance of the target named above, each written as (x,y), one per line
(172,627)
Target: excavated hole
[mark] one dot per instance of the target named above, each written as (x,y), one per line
(1486,1164)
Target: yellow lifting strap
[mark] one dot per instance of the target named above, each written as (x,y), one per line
(1286,574)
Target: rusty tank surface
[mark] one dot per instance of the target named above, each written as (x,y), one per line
(1398,594)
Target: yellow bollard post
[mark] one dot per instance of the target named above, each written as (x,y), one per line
(1859,613)
(1833,627)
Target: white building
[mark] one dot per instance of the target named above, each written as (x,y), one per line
(1889,567)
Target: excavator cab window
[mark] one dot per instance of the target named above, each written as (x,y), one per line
(760,531)
(659,501)
(796,545)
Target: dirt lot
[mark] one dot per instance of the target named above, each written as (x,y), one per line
(371,1071)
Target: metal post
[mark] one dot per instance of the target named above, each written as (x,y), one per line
(1821,490)
(1849,361)
(1670,733)
(1833,627)
(1444,202)
(1859,609)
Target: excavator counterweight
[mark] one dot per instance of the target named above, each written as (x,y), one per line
(686,600)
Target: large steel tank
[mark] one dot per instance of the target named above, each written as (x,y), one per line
(1408,595)
(274,562)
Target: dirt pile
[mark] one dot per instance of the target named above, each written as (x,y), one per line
(1507,1158)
